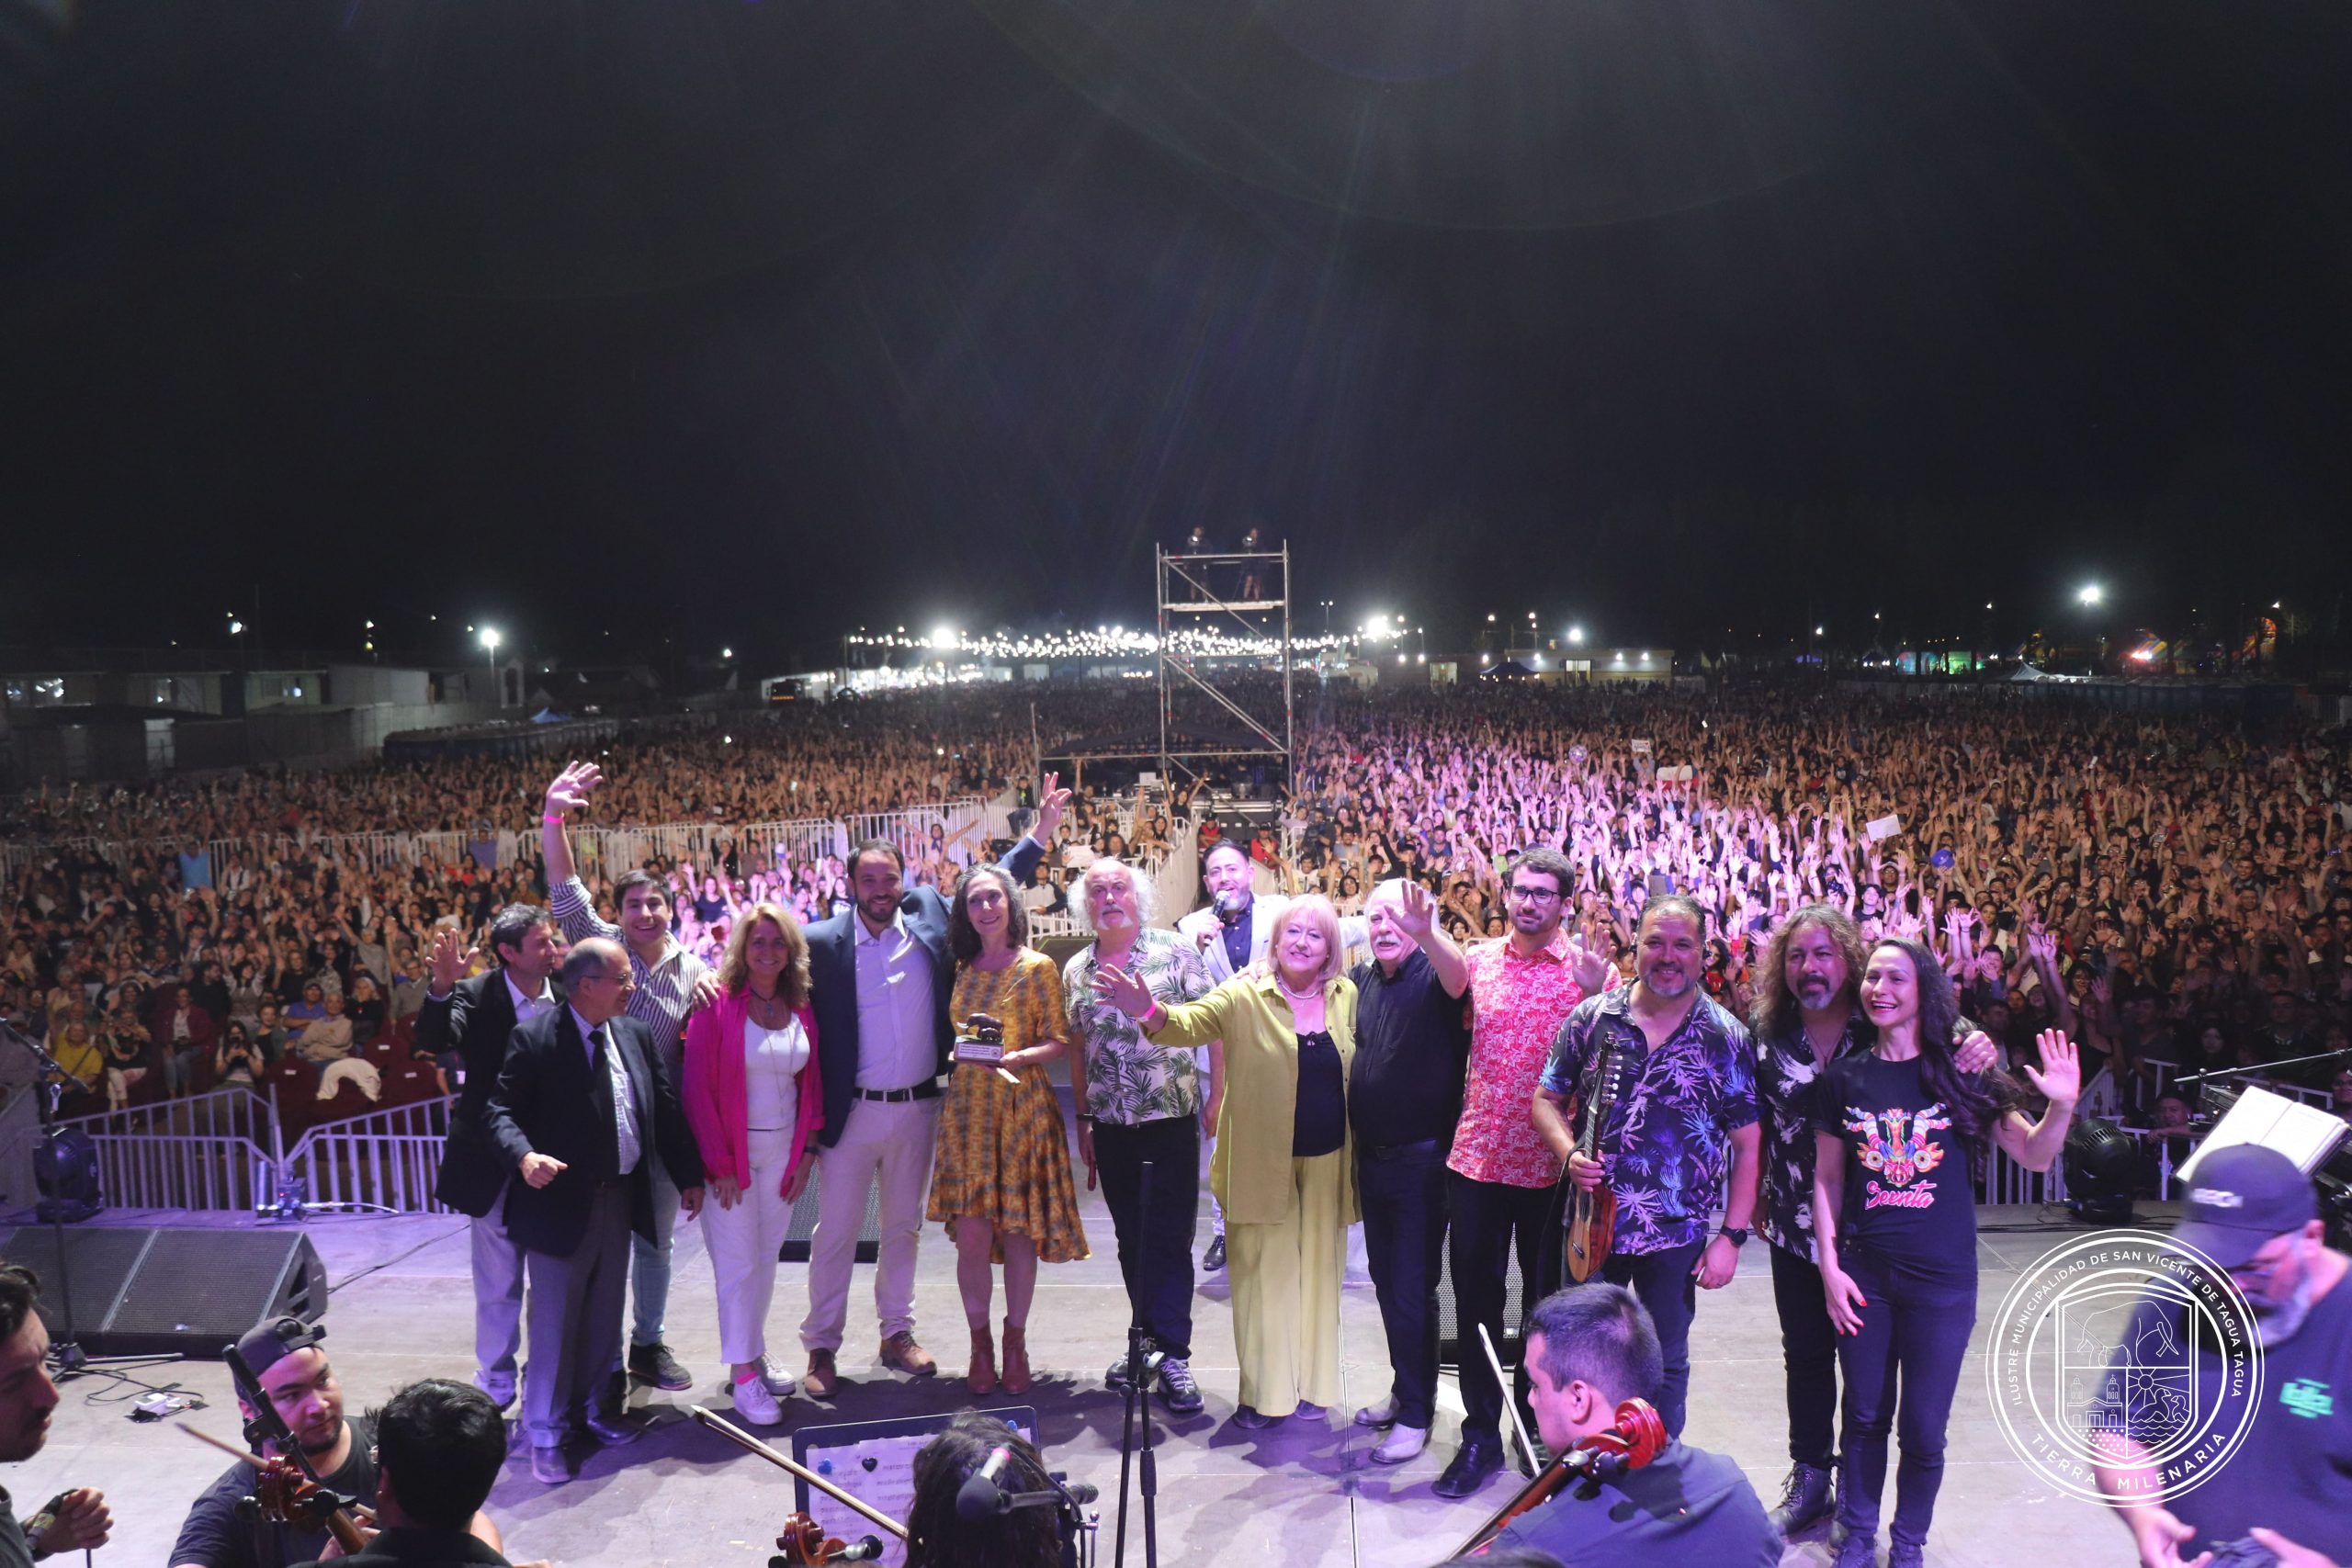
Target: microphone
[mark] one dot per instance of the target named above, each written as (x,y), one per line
(866,1548)
(980,1497)
(1230,905)
(1080,1492)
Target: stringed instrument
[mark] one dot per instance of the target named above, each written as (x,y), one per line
(805,1544)
(1638,1437)
(285,1494)
(1591,1216)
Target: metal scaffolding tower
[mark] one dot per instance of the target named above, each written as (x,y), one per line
(1211,726)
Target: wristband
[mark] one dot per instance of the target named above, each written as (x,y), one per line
(551,816)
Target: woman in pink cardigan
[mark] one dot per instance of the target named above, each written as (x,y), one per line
(753,1099)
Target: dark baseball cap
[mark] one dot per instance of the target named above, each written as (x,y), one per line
(266,1344)
(2241,1198)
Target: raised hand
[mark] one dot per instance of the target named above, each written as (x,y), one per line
(451,959)
(571,788)
(1052,801)
(2059,1079)
(1416,908)
(1123,991)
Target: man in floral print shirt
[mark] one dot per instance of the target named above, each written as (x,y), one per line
(1687,1116)
(1502,1177)
(1139,1103)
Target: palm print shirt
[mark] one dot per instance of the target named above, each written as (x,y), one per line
(1784,1078)
(1668,1135)
(1129,1079)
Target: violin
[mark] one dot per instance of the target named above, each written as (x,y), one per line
(1638,1437)
(286,1494)
(805,1544)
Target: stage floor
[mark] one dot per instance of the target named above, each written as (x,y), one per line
(1298,1496)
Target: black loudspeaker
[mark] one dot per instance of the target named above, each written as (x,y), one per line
(66,1169)
(186,1293)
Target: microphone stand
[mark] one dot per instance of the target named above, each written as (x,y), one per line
(2261,1066)
(49,1087)
(1143,1365)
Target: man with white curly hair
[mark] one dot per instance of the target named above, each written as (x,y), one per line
(1138,1103)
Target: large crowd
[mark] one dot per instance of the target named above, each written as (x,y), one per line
(2173,892)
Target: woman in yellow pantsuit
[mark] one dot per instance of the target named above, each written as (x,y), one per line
(1283,1167)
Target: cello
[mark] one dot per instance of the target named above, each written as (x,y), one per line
(1638,1437)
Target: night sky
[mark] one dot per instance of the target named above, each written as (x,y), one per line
(747,323)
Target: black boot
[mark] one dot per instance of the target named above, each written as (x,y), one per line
(1805,1501)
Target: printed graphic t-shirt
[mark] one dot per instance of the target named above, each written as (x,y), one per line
(1909,1198)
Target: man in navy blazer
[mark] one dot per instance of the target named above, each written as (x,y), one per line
(584,1106)
(880,980)
(465,1024)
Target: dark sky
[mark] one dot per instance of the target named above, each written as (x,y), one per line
(749,322)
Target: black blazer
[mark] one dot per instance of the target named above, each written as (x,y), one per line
(832,984)
(541,1104)
(468,1029)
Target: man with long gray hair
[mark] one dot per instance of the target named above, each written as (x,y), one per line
(1139,1104)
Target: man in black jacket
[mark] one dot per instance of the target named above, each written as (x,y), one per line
(879,982)
(583,1105)
(465,1024)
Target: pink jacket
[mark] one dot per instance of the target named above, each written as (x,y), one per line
(715,1096)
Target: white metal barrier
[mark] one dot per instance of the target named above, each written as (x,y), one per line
(387,1158)
(211,1152)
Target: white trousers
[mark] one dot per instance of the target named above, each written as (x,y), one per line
(891,1145)
(743,1242)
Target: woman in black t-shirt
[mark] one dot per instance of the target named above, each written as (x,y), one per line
(1901,1134)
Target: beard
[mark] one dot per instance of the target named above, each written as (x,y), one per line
(2280,1324)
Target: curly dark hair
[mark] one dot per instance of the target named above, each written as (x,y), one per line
(1776,1015)
(962,940)
(1975,1106)
(1025,1538)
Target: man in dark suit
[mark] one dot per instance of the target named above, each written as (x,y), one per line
(583,1105)
(879,977)
(465,1025)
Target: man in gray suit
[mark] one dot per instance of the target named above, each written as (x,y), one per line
(584,1107)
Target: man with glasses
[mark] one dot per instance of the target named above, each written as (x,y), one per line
(1501,1176)
(2288,1485)
(584,1108)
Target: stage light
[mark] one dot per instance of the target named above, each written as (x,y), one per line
(490,639)
(943,636)
(2102,1167)
(2091,593)
(726,653)
(1575,635)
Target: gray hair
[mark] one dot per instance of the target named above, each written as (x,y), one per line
(1081,894)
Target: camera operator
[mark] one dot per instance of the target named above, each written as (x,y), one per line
(2289,1487)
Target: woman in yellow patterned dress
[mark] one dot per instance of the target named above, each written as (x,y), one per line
(1001,1178)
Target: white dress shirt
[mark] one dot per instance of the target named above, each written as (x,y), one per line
(529,1007)
(624,1099)
(896,1048)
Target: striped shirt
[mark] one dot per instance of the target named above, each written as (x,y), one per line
(664,989)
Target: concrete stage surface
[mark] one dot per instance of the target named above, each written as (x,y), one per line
(1297,1495)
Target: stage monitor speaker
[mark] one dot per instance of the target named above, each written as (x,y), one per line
(186,1292)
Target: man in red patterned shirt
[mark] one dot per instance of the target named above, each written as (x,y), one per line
(1501,1176)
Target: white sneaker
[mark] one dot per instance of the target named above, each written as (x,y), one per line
(1402,1443)
(756,1405)
(779,1382)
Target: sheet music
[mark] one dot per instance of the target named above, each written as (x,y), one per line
(2304,1134)
(873,1462)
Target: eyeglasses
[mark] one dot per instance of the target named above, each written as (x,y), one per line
(1535,895)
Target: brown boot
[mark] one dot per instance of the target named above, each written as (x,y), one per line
(822,1378)
(900,1353)
(1016,1360)
(981,1379)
